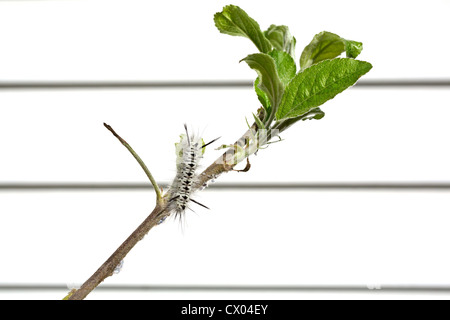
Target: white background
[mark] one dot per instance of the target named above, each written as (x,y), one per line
(248,237)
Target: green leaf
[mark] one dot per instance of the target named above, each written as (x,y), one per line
(353,48)
(327,45)
(316,114)
(285,65)
(318,84)
(236,22)
(262,97)
(281,39)
(258,122)
(286,70)
(269,83)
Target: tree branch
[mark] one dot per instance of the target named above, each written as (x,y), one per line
(223,164)
(108,267)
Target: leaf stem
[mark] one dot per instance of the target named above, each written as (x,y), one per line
(139,160)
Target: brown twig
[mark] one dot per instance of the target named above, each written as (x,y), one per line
(108,267)
(247,167)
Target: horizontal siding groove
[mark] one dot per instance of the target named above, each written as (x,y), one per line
(286,288)
(202,84)
(432,186)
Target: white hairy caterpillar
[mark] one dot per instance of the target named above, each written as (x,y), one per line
(189,152)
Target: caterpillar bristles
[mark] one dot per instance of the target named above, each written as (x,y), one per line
(187,134)
(189,152)
(200,204)
(205,145)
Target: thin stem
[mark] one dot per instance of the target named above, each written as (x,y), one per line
(139,160)
(227,161)
(107,268)
(284,124)
(270,119)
